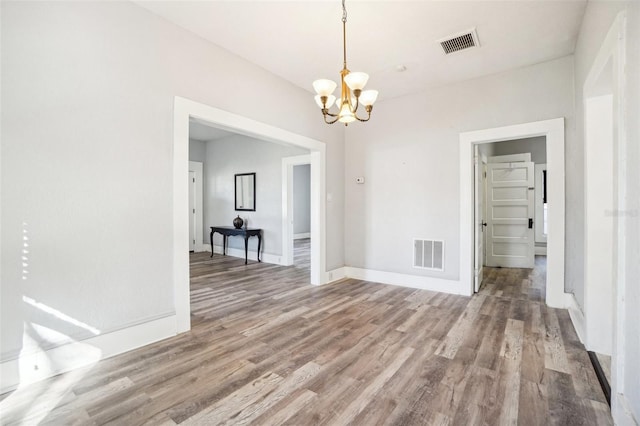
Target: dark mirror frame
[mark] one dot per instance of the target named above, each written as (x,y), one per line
(235,191)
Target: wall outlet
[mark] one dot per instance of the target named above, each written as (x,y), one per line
(330,276)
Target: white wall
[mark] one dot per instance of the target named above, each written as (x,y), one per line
(632,215)
(598,18)
(410,161)
(536,146)
(87,111)
(241,154)
(596,23)
(302,199)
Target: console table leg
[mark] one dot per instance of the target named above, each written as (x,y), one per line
(259,244)
(246,248)
(211,241)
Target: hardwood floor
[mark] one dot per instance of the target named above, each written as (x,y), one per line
(266,348)
(302,253)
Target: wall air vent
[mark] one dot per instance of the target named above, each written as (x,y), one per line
(428,254)
(460,41)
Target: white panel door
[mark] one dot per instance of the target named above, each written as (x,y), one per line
(510,215)
(192,211)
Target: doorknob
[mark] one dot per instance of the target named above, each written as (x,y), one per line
(530,223)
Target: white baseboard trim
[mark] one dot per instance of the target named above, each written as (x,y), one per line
(335,275)
(621,411)
(577,316)
(540,250)
(251,255)
(302,235)
(406,280)
(40,365)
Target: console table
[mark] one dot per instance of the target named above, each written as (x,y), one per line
(229,231)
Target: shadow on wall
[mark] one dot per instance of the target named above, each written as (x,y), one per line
(46,348)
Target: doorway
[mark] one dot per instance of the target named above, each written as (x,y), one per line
(505,195)
(605,234)
(553,131)
(184,111)
(297,187)
(302,215)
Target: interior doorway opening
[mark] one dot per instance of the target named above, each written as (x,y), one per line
(553,131)
(186,111)
(301,215)
(510,205)
(296,207)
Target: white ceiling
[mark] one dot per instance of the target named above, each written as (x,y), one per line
(301,41)
(202,132)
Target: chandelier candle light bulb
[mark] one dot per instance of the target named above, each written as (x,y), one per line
(351,95)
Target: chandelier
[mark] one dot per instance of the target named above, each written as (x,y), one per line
(351,96)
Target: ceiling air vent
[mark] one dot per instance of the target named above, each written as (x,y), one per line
(460,41)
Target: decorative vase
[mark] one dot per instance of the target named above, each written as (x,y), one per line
(237,222)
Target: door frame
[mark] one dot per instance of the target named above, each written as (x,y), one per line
(185,110)
(612,51)
(553,130)
(197,167)
(287,204)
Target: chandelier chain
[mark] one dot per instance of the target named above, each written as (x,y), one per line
(344,12)
(344,34)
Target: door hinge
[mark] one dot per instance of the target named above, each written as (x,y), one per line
(530,223)
(194,180)
(194,211)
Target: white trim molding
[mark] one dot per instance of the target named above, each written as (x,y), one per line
(622,412)
(554,132)
(301,235)
(21,370)
(336,275)
(577,316)
(405,280)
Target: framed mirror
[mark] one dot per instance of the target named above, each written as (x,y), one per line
(245,188)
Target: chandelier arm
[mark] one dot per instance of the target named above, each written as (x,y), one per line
(332,121)
(364,119)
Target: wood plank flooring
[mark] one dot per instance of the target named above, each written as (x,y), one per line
(267,348)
